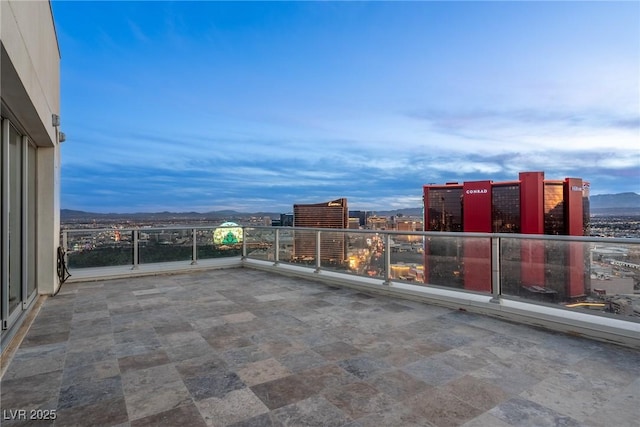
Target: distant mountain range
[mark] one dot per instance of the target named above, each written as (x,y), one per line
(613,204)
(620,200)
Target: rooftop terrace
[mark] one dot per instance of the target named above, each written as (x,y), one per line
(245,347)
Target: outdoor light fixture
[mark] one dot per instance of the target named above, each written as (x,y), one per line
(55,119)
(62,137)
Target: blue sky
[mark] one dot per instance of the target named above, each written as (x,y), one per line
(203,106)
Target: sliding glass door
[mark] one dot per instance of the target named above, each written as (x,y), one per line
(19,158)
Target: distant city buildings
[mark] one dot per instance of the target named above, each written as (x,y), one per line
(332,214)
(529,205)
(360,216)
(285,220)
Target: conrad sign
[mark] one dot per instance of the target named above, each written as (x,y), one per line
(478,191)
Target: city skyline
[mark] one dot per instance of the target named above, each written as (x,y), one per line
(204,106)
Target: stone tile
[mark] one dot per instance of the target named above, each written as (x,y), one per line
(238,357)
(142,361)
(511,379)
(90,328)
(522,412)
(318,304)
(315,411)
(213,384)
(463,359)
(571,394)
(51,337)
(327,376)
(269,297)
(395,307)
(103,413)
(262,420)
(235,406)
(279,345)
(207,322)
(153,390)
(364,366)
(486,420)
(75,374)
(222,343)
(262,371)
(398,385)
(185,415)
(201,365)
(283,391)
(245,316)
(85,393)
(620,409)
(37,360)
(300,361)
(188,351)
(476,392)
(173,328)
(90,350)
(336,351)
(442,408)
(432,372)
(358,399)
(31,392)
(397,415)
(177,339)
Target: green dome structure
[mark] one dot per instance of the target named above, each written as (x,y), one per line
(228,233)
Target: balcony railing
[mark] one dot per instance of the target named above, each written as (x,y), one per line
(577,278)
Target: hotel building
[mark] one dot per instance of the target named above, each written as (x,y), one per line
(30,156)
(529,205)
(333,214)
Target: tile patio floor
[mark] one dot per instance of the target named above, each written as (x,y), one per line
(241,347)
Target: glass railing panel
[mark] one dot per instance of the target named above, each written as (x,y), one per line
(352,252)
(595,278)
(210,244)
(304,248)
(99,248)
(407,258)
(260,243)
(285,249)
(333,251)
(164,245)
(458,262)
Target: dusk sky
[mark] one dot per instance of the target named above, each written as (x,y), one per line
(202,106)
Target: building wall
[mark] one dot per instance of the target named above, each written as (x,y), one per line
(531,205)
(333,214)
(31,66)
(30,96)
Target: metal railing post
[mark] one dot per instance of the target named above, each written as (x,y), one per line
(65,246)
(276,257)
(244,243)
(387,259)
(135,249)
(194,251)
(495,269)
(318,252)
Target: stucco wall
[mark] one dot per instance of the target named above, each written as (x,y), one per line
(32,73)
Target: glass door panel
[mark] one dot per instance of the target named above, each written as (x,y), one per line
(31,220)
(15,217)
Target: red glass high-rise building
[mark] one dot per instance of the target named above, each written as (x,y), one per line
(529,205)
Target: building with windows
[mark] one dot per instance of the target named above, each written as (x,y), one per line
(333,214)
(30,156)
(529,205)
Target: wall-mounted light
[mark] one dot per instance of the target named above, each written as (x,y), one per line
(62,137)
(55,119)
